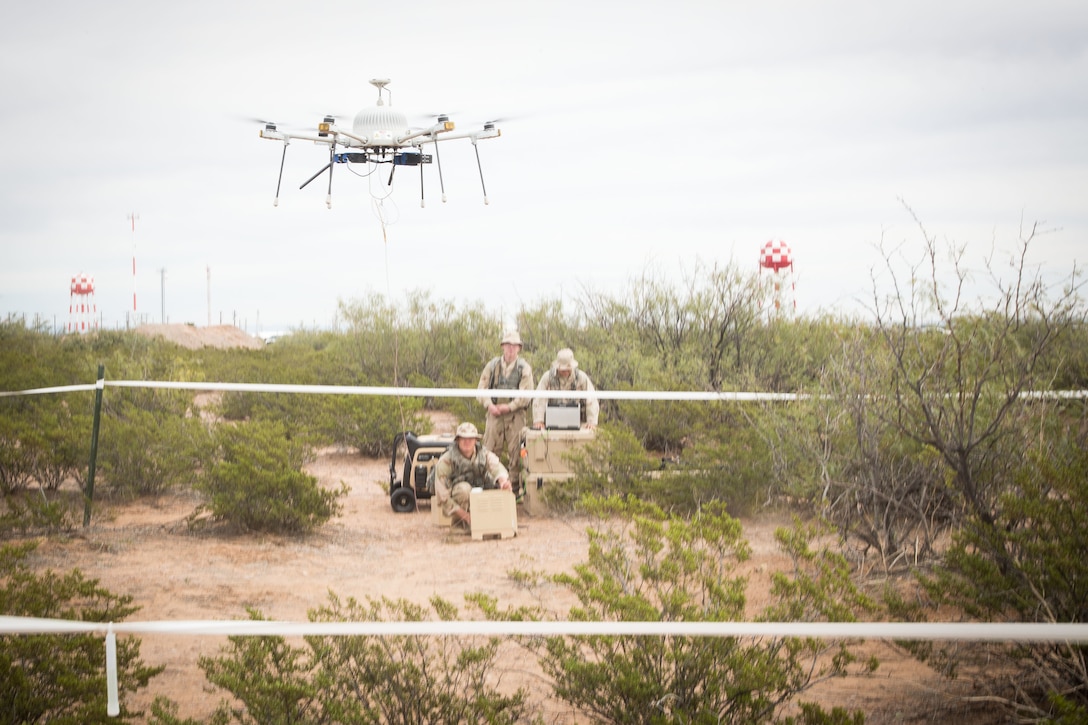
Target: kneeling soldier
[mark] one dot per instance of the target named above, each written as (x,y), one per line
(464,466)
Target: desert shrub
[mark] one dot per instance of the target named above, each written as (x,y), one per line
(736,473)
(390,343)
(36,512)
(61,678)
(368,423)
(403,680)
(613,464)
(164,711)
(300,412)
(45,440)
(617,464)
(645,565)
(1027,565)
(837,456)
(141,452)
(274,681)
(661,425)
(17,458)
(256,481)
(64,425)
(398,680)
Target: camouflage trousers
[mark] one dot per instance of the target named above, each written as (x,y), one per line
(459,498)
(502,436)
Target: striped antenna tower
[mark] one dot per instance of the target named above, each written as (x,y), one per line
(82,310)
(132,218)
(778,258)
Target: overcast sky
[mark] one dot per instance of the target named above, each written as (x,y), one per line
(638,138)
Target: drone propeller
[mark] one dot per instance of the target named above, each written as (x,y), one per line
(268,125)
(335,117)
(432,118)
(501,119)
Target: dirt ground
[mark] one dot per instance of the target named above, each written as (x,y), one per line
(147,549)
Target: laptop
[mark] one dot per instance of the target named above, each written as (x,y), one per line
(563,417)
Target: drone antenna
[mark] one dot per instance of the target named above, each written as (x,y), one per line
(380,84)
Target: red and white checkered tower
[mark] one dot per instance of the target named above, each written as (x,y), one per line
(82,311)
(777,257)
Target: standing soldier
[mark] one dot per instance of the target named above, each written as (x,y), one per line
(506,414)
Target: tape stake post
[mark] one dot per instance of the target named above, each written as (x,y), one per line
(89,497)
(113,707)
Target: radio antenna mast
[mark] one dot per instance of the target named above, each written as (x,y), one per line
(133,217)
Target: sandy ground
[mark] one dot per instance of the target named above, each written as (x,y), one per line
(146,549)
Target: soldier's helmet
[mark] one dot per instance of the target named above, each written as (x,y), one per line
(467,430)
(564,360)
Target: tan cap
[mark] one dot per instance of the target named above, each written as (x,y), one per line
(564,360)
(511,338)
(467,430)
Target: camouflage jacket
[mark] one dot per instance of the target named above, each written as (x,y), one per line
(577,380)
(519,376)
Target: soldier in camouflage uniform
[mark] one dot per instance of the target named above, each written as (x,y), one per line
(505,414)
(565,375)
(467,464)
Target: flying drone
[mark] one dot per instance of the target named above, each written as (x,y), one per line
(380,135)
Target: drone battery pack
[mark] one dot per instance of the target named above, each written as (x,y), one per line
(494,513)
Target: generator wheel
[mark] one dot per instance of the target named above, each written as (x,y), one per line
(403,500)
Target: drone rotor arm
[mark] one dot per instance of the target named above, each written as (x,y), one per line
(431,133)
(358,140)
(474,135)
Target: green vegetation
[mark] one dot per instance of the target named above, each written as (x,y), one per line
(916,446)
(668,568)
(255,481)
(60,678)
(402,680)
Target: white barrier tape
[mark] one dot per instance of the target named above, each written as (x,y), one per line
(455,392)
(43,391)
(674,395)
(968,631)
